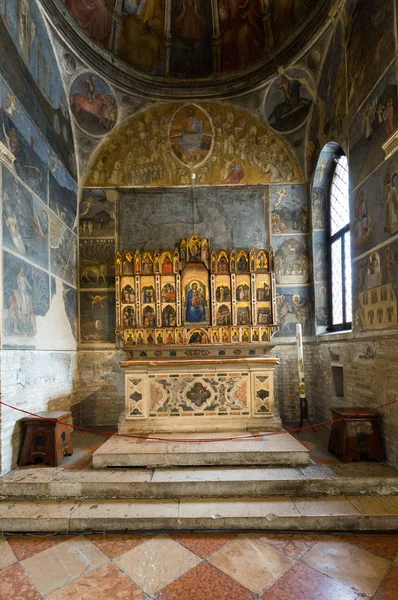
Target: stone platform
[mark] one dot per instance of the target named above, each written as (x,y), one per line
(266,450)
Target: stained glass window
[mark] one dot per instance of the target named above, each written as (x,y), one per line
(340,247)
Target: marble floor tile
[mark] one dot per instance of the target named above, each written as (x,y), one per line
(202,544)
(55,567)
(106,582)
(253,564)
(156,563)
(113,545)
(348,564)
(292,544)
(16,585)
(381,545)
(205,582)
(303,583)
(389,586)
(25,546)
(7,556)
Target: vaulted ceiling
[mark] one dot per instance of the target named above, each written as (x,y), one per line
(186,48)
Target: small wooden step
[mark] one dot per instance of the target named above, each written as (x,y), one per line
(339,513)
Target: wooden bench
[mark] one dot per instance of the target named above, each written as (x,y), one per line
(45,439)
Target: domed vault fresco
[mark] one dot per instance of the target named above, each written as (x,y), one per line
(181,41)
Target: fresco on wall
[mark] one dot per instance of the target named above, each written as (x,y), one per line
(191,136)
(243,151)
(231,218)
(375,217)
(294,306)
(320,258)
(321,305)
(289,100)
(375,122)
(69,295)
(25,301)
(375,289)
(329,117)
(368,55)
(63,251)
(93,104)
(290,210)
(33,74)
(97,317)
(63,195)
(97,258)
(25,222)
(97,213)
(319,208)
(191,29)
(292,259)
(23,140)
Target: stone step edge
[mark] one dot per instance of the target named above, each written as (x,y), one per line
(277,459)
(88,516)
(103,489)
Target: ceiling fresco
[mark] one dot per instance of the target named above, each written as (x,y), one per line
(188,43)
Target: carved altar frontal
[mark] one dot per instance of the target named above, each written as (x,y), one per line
(192,295)
(199,394)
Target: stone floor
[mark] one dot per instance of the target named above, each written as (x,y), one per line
(205,566)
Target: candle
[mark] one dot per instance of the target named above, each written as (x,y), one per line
(300,359)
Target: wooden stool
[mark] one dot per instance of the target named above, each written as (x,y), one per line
(45,441)
(358,437)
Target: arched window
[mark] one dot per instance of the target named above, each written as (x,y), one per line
(340,248)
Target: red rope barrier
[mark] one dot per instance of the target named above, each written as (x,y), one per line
(203,440)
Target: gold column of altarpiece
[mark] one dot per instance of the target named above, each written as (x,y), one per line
(191,295)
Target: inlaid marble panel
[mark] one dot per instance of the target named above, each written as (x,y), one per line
(199,394)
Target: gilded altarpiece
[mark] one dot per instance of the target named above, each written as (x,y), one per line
(197,324)
(192,295)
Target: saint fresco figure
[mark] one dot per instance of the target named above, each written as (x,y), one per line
(191,48)
(361,216)
(142,34)
(21,319)
(195,311)
(391,203)
(94,16)
(243,36)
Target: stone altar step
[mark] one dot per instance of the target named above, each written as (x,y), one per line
(338,513)
(201,482)
(268,450)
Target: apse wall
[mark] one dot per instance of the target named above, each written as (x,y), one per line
(357,107)
(38,193)
(343,81)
